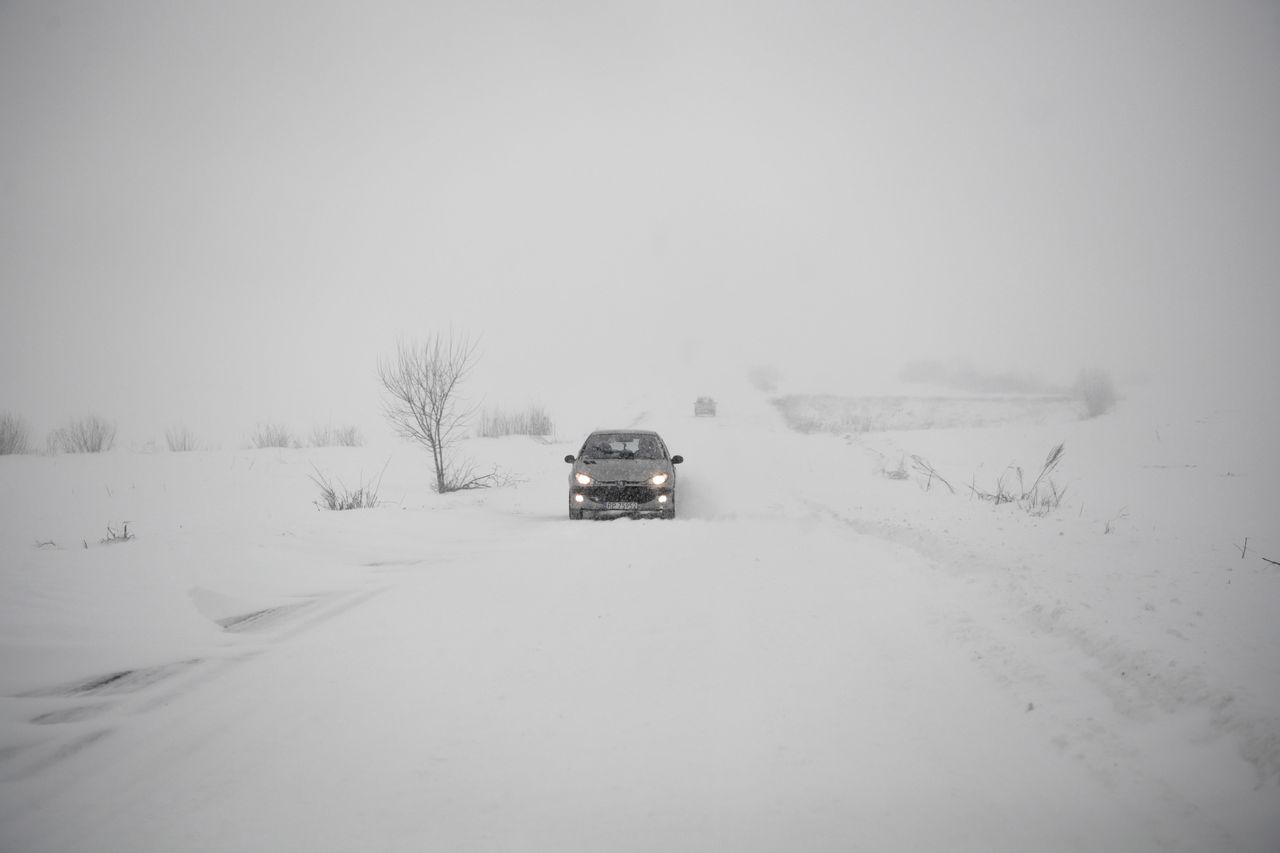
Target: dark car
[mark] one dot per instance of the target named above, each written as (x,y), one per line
(623,472)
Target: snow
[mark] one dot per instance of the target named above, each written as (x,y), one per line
(812,656)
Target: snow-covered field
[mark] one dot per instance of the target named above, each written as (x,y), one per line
(814,656)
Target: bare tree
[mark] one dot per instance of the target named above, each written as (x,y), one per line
(421,385)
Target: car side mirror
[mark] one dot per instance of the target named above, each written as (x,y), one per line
(676,460)
(569,458)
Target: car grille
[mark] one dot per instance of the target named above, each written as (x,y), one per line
(620,494)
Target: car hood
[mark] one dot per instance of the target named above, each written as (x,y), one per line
(625,470)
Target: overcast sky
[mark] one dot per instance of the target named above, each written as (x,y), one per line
(222,213)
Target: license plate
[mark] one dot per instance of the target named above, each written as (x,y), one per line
(621,505)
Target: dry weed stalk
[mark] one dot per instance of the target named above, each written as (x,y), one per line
(930,473)
(113,536)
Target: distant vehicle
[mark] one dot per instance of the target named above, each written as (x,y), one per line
(623,472)
(704,407)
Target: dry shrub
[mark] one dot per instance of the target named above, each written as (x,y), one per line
(90,434)
(899,473)
(495,423)
(765,378)
(332,436)
(181,439)
(1095,389)
(13,435)
(272,435)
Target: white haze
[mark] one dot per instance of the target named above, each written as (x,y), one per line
(223,213)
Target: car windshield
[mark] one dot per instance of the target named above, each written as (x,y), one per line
(620,445)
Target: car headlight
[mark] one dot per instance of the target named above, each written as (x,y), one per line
(582,479)
(658,479)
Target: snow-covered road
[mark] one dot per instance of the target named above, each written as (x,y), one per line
(759,674)
(638,686)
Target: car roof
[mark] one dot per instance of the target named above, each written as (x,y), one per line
(627,431)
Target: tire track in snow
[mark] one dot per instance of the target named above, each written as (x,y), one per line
(69,725)
(1129,680)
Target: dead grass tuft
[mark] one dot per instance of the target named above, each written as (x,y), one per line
(1041,498)
(336,496)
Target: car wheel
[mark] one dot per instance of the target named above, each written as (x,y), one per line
(575,514)
(670,511)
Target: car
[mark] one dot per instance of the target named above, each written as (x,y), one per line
(623,472)
(704,407)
